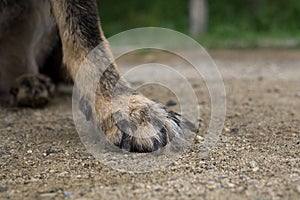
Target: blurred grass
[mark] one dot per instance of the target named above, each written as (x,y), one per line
(252,40)
(232,23)
(121,15)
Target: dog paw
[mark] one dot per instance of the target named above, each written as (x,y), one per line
(136,124)
(32,90)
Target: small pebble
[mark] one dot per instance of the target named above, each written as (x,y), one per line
(230,185)
(277,90)
(9,122)
(208,167)
(49,151)
(79,176)
(255,169)
(211,186)
(226,129)
(67,194)
(254,166)
(199,138)
(65,173)
(3,150)
(234,130)
(298,189)
(3,189)
(48,195)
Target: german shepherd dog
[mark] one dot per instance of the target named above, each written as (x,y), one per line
(29,30)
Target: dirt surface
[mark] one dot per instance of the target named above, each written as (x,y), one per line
(257,156)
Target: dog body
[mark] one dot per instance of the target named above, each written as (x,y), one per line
(29,31)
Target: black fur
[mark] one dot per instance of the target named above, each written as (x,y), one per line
(83,20)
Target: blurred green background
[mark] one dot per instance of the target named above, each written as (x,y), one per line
(230,23)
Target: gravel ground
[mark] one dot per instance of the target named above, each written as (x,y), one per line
(257,155)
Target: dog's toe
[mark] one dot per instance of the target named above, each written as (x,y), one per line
(141,125)
(33,90)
